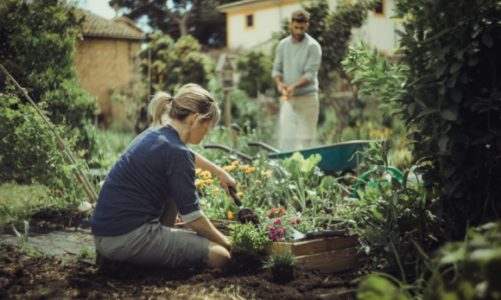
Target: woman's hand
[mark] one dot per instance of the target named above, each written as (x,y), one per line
(226,180)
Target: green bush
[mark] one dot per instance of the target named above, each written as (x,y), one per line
(172,64)
(37,48)
(29,150)
(255,71)
(247,240)
(452,102)
(468,269)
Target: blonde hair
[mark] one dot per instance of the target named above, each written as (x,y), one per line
(191,98)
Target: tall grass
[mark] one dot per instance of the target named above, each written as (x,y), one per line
(19,202)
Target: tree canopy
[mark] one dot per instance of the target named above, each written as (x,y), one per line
(176,18)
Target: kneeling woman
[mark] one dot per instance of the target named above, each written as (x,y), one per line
(153,181)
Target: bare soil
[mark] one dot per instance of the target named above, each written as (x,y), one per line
(28,275)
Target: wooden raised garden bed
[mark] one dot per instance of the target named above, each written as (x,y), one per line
(328,255)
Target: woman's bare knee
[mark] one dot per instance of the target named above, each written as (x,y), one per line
(219,256)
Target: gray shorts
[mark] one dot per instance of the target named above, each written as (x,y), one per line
(153,244)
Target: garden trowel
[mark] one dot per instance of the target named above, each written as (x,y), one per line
(298,235)
(245,215)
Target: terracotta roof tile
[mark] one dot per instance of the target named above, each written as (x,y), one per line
(118,28)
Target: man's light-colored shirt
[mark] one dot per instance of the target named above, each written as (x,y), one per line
(296,60)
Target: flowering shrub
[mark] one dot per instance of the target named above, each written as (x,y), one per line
(294,188)
(278,222)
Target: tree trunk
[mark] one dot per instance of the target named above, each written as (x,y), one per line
(183,25)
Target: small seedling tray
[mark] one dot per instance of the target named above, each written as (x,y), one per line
(328,255)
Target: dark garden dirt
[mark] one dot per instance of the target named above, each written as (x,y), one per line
(25,274)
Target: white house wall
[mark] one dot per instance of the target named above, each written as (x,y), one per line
(266,22)
(378,31)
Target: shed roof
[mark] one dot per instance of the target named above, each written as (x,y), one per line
(117,28)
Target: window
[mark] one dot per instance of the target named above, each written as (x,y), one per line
(379,8)
(249,20)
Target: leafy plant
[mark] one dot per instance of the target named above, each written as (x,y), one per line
(391,215)
(29,150)
(248,240)
(378,286)
(38,47)
(22,236)
(173,63)
(451,103)
(282,266)
(280,261)
(252,65)
(468,269)
(87,253)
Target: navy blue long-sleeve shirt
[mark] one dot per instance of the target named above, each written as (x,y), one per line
(155,167)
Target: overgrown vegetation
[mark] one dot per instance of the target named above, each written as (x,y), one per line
(452,102)
(254,68)
(169,64)
(38,40)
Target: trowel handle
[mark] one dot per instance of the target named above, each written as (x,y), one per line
(233,194)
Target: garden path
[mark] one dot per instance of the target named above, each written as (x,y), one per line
(65,244)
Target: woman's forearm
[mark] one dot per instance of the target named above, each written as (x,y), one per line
(224,177)
(205,228)
(203,163)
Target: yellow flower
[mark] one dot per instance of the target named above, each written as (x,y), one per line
(267,173)
(240,194)
(199,182)
(243,186)
(250,170)
(229,168)
(216,190)
(229,215)
(208,181)
(235,163)
(206,174)
(197,171)
(243,167)
(258,181)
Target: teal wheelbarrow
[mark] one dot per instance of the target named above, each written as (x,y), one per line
(335,158)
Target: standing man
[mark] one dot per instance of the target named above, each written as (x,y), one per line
(295,72)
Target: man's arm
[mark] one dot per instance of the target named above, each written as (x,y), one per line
(205,228)
(291,88)
(312,66)
(281,86)
(277,72)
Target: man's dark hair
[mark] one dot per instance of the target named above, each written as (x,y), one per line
(300,16)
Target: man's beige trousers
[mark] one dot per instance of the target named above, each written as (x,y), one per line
(298,122)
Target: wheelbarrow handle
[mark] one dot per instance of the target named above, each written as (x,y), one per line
(229,150)
(233,194)
(264,146)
